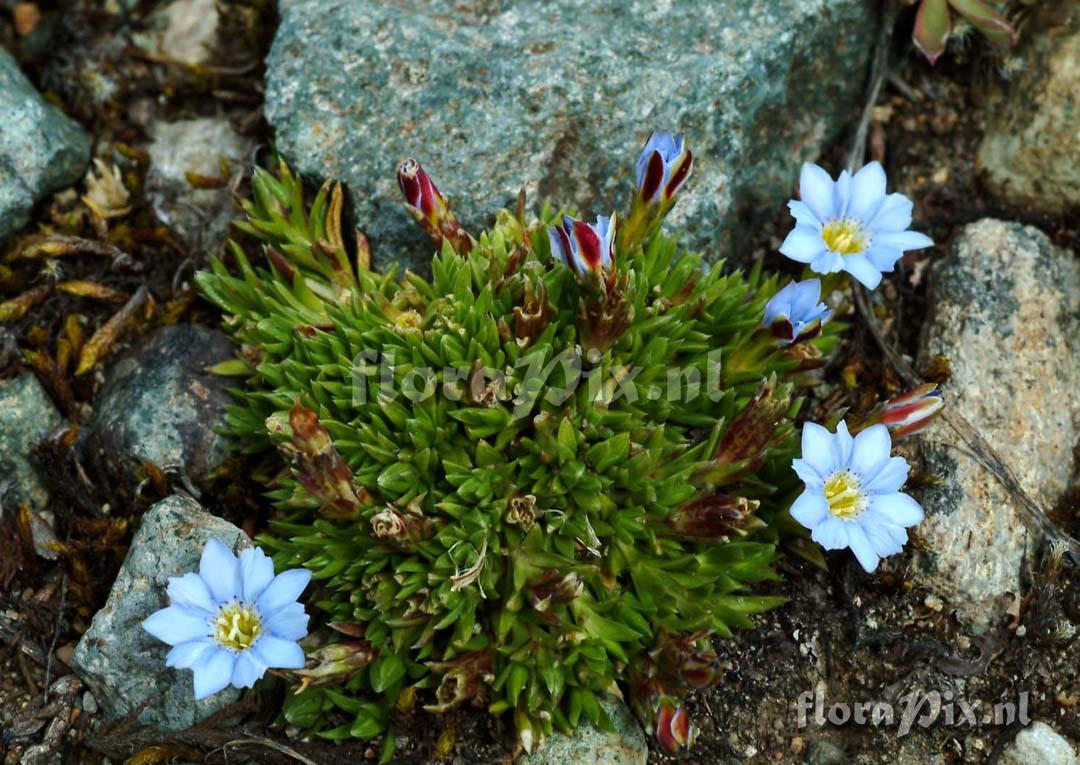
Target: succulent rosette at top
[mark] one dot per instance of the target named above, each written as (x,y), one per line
(546,472)
(934,24)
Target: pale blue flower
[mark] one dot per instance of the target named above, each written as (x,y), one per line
(850,224)
(852,497)
(795,312)
(233,620)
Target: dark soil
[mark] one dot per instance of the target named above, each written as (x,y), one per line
(855,637)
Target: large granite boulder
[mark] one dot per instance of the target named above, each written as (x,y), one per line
(42,150)
(1006,314)
(557,96)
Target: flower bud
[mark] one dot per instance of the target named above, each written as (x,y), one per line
(682,661)
(663,167)
(909,413)
(794,313)
(318,466)
(430,208)
(673,730)
(588,249)
(745,441)
(333,664)
(716,518)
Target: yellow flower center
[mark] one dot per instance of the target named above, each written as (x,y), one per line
(844,236)
(237,626)
(843,495)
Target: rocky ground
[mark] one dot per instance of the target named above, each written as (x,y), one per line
(128,132)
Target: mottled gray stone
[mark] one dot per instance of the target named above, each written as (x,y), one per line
(1040,744)
(591,746)
(1031,149)
(200,216)
(160,404)
(27,415)
(825,752)
(1005,308)
(557,96)
(121,663)
(41,149)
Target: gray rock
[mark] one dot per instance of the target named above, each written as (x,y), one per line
(121,663)
(557,96)
(1040,744)
(591,746)
(1032,140)
(41,149)
(200,216)
(1005,314)
(160,404)
(27,415)
(825,752)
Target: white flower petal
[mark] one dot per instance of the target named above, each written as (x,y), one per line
(894,214)
(248,669)
(190,592)
(842,193)
(883,535)
(808,474)
(870,451)
(803,215)
(221,572)
(818,449)
(810,508)
(816,190)
(862,548)
(289,622)
(883,258)
(844,443)
(175,625)
(897,508)
(867,192)
(888,478)
(186,655)
(214,672)
(802,244)
(831,533)
(903,240)
(257,571)
(278,653)
(861,268)
(285,589)
(827,262)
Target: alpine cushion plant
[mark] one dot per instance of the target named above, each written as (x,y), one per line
(522,482)
(233,619)
(850,224)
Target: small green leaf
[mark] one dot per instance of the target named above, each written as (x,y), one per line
(386,671)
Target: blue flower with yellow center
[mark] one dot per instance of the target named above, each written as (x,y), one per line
(232,620)
(850,224)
